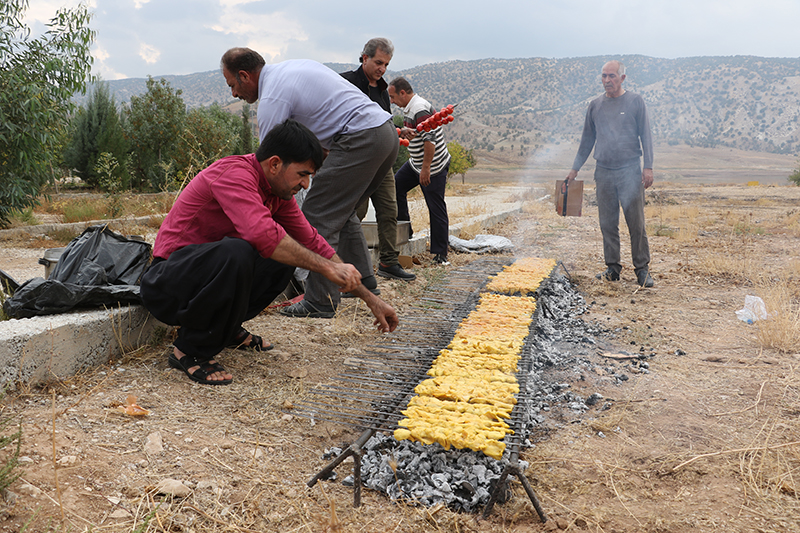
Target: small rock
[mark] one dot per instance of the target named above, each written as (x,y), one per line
(227,444)
(153,444)
(173,487)
(24,460)
(9,497)
(297,373)
(120,513)
(287,418)
(204,485)
(561,523)
(67,460)
(29,489)
(594,398)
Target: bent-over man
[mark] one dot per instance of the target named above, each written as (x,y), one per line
(362,145)
(229,246)
(618,128)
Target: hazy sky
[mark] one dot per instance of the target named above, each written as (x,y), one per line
(136,38)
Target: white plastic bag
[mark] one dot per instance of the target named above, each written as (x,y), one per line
(754,309)
(482,244)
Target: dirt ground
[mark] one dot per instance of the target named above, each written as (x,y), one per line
(706,439)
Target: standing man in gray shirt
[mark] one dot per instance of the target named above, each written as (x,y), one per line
(618,129)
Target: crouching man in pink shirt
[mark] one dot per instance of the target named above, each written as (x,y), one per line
(229,246)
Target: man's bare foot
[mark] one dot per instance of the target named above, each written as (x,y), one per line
(246,341)
(207,372)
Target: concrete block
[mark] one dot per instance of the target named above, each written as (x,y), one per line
(39,349)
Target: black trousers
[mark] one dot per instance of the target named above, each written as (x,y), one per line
(208,290)
(405,180)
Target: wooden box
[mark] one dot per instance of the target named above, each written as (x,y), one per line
(569,203)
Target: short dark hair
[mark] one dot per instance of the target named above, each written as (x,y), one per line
(293,143)
(237,59)
(375,44)
(401,84)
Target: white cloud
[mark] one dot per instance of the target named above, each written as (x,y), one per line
(41,11)
(139,3)
(267,33)
(102,66)
(149,53)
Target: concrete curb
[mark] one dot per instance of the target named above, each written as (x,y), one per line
(77,227)
(44,348)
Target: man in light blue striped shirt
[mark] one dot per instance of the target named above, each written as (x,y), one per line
(427,166)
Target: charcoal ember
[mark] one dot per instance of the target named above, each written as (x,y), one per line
(594,398)
(331,453)
(440,481)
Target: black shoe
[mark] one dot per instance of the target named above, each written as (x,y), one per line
(440,259)
(395,272)
(609,275)
(644,278)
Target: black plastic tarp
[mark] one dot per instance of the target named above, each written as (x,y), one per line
(97,268)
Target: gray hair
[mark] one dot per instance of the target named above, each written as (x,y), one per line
(620,67)
(375,44)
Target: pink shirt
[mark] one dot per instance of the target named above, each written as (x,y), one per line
(231,198)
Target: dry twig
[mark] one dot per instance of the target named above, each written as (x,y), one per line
(738,450)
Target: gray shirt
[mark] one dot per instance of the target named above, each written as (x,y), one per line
(619,130)
(315,96)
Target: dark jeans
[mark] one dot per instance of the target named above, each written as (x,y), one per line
(209,290)
(405,180)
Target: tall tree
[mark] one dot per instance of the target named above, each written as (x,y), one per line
(154,124)
(246,132)
(96,129)
(37,80)
(209,133)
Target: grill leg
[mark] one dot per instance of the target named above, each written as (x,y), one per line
(515,470)
(355,450)
(532,495)
(357,477)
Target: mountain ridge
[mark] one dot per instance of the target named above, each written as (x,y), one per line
(520,104)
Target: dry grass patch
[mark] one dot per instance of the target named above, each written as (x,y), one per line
(781,330)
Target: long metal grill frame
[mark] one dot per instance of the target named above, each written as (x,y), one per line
(382,380)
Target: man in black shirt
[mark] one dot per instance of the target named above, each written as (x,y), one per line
(368,77)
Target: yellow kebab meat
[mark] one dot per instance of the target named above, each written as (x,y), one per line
(522,277)
(473,381)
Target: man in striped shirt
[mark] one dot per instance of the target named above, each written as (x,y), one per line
(427,166)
